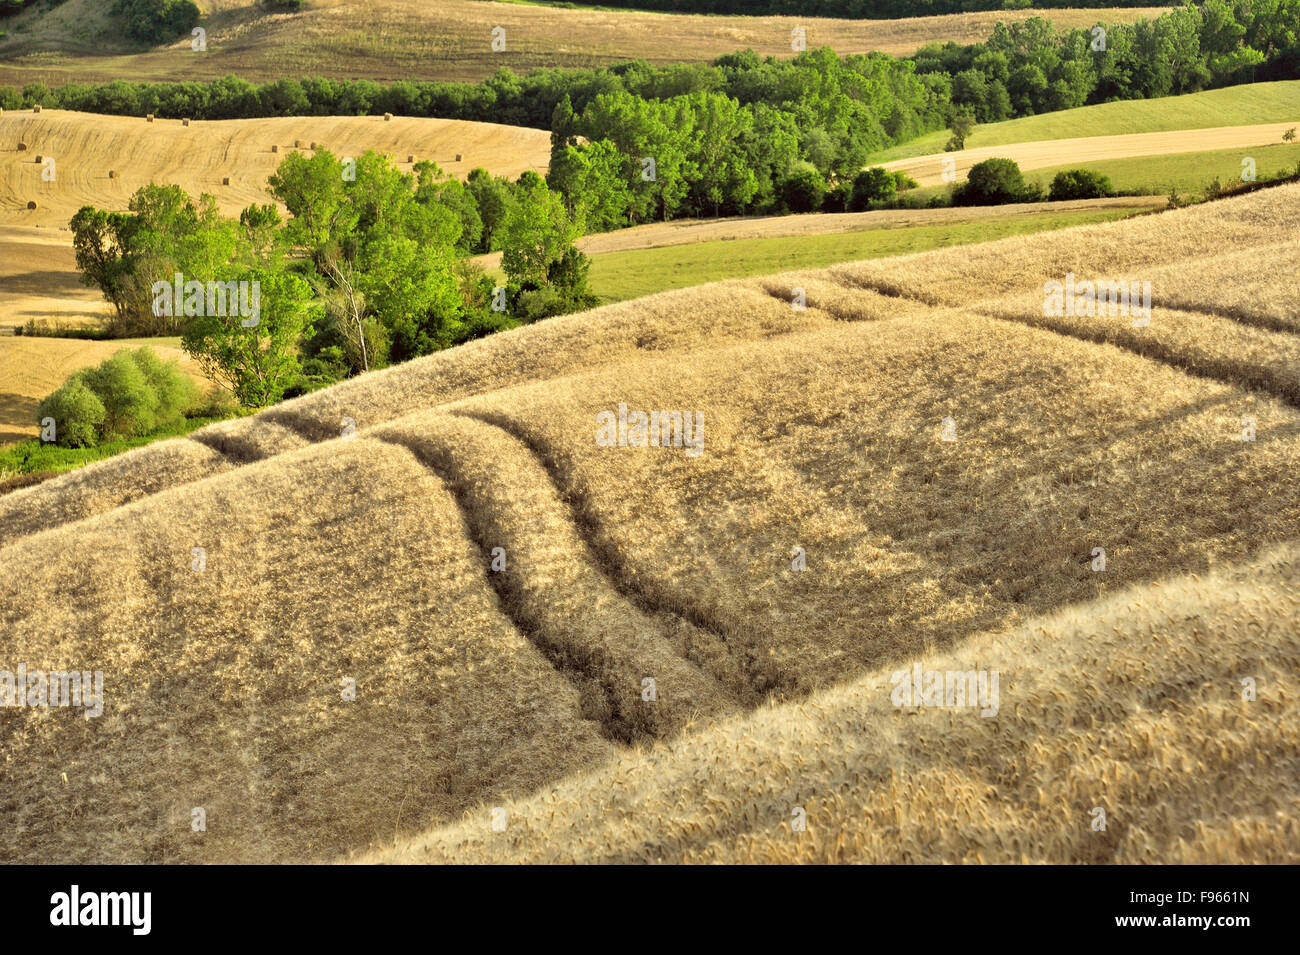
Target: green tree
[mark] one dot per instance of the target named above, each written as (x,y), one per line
(594,180)
(257,363)
(538,230)
(433,188)
(962,126)
(155,21)
(100,240)
(872,185)
(319,207)
(130,402)
(1079,184)
(804,189)
(77,412)
(176,390)
(493,197)
(994,182)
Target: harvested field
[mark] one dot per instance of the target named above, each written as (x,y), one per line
(660,235)
(198,157)
(833,531)
(39,279)
(928,170)
(410,39)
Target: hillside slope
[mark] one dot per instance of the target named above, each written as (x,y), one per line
(501,587)
(1247,104)
(86,147)
(929,170)
(451,40)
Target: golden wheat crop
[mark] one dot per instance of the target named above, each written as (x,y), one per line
(87,147)
(641,653)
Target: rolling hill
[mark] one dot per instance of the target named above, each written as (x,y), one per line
(1248,104)
(87,148)
(411,39)
(429,639)
(929,170)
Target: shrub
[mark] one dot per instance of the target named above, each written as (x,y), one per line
(176,391)
(838,197)
(994,182)
(872,186)
(903,181)
(156,21)
(963,124)
(1079,184)
(77,412)
(803,189)
(130,402)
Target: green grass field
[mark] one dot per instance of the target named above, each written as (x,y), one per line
(616,276)
(33,456)
(1244,105)
(1189,173)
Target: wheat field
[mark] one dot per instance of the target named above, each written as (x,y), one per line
(428,639)
(87,148)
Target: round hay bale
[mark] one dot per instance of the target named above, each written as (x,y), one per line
(112,174)
(410,159)
(148,117)
(36,108)
(39,158)
(225,180)
(31,204)
(313,145)
(275,149)
(185,122)
(297,143)
(22,147)
(458,157)
(388,117)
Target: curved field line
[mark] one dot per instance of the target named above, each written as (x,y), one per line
(929,170)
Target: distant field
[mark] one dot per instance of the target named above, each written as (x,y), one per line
(685,256)
(928,170)
(1185,172)
(1247,105)
(39,278)
(450,39)
(86,147)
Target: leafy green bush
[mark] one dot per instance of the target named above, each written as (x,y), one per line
(995,182)
(156,21)
(77,412)
(1079,184)
(873,185)
(804,189)
(130,402)
(176,390)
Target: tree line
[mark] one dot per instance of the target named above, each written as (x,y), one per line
(1022,69)
(1026,68)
